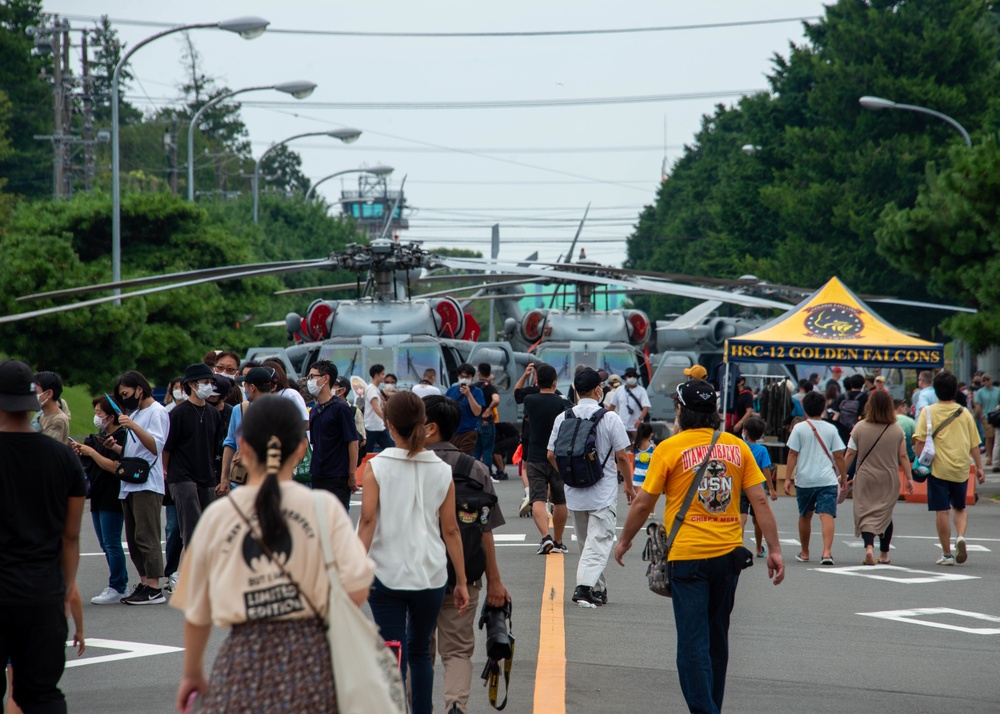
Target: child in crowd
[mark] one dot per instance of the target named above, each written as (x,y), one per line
(643,452)
(753,430)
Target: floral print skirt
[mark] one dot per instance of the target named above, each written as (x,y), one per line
(273,666)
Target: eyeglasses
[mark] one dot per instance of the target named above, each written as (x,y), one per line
(225,370)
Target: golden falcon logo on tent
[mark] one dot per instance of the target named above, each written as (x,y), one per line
(833,321)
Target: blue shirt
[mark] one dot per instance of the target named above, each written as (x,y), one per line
(760,455)
(331,431)
(470,422)
(235,422)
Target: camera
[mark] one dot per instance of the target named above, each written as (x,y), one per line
(499,641)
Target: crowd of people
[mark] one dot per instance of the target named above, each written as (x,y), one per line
(238,467)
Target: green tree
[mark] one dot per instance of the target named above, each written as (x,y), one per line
(28,166)
(805,206)
(6,201)
(108,53)
(951,238)
(281,171)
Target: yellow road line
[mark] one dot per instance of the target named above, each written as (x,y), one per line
(550,674)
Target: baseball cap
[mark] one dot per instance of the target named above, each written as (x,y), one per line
(259,376)
(586,380)
(603,375)
(837,370)
(698,396)
(696,372)
(223,385)
(17,387)
(194,372)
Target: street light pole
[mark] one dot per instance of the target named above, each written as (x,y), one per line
(374,171)
(299,90)
(248,28)
(345,135)
(878,103)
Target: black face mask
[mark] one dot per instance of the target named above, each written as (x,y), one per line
(132,402)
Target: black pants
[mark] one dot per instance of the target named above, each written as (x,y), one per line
(33,637)
(338,487)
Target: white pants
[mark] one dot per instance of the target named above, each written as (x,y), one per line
(595,532)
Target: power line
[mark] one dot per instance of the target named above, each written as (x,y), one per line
(495,34)
(490,149)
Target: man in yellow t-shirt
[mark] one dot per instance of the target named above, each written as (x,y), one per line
(954,444)
(702,568)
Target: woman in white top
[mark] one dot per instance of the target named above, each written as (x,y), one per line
(276,657)
(287,391)
(408,523)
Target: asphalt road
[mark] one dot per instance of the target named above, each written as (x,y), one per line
(909,638)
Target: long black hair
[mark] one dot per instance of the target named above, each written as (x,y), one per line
(273,428)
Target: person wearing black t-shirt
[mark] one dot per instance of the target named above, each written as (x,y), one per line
(99,463)
(487,422)
(189,453)
(544,482)
(42,490)
(333,435)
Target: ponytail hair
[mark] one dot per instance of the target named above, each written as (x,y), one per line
(273,428)
(405,411)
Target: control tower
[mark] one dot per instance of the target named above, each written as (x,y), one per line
(371,204)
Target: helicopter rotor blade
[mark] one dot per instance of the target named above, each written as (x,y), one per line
(317,289)
(483,286)
(694,316)
(148,291)
(931,305)
(653,286)
(171,277)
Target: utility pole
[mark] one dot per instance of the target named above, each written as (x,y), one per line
(67,107)
(57,129)
(170,142)
(89,155)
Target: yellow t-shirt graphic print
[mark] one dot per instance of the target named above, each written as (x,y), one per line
(712,524)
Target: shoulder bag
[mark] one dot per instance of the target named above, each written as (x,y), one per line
(132,469)
(922,463)
(365,672)
(659,543)
(841,488)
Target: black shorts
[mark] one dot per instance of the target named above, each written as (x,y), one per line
(944,495)
(544,483)
(745,507)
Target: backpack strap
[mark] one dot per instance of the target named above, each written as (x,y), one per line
(945,423)
(463,470)
(596,418)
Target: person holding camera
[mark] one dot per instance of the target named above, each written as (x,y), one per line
(472,402)
(707,556)
(456,632)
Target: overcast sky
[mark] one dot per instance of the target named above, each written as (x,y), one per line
(533,170)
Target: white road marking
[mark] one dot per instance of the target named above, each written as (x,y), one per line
(911,616)
(130,650)
(789,541)
(969,547)
(887,573)
(509,537)
(861,544)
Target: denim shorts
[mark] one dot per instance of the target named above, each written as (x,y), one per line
(820,499)
(943,495)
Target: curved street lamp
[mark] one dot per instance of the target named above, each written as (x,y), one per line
(345,135)
(378,171)
(246,27)
(878,103)
(299,90)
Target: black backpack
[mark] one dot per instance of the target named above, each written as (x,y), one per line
(472,509)
(580,466)
(850,409)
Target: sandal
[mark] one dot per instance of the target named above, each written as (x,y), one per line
(798,557)
(884,562)
(866,561)
(828,560)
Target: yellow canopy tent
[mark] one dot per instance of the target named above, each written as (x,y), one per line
(834,326)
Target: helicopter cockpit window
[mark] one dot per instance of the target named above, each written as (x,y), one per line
(616,362)
(562,360)
(349,360)
(412,361)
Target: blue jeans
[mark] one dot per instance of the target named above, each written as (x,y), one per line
(410,616)
(108,526)
(703,595)
(378,440)
(484,444)
(172,531)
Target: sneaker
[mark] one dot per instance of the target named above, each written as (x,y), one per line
(961,553)
(110,596)
(602,596)
(171,582)
(137,589)
(948,559)
(145,596)
(546,546)
(560,548)
(494,479)
(584,597)
(501,476)
(525,507)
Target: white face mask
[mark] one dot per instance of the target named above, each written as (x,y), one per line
(99,422)
(179,395)
(465,381)
(389,387)
(631,381)
(204,391)
(313,386)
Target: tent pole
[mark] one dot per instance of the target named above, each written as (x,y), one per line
(725,396)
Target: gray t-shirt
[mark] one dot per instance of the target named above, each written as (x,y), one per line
(814,468)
